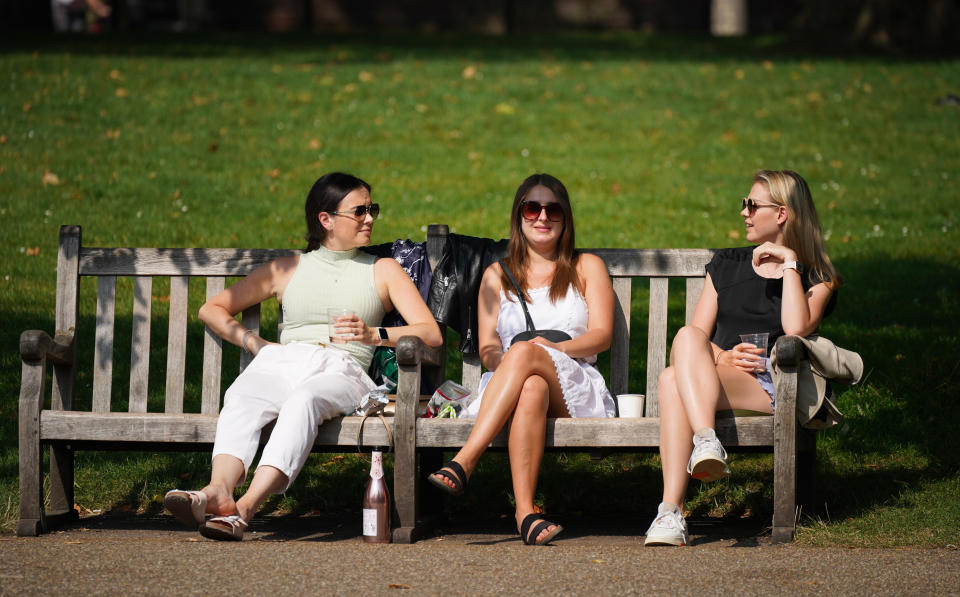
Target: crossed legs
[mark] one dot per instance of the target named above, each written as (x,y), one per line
(524,386)
(690,392)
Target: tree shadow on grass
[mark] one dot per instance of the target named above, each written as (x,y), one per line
(364,48)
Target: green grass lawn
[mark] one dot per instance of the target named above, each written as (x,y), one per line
(188,141)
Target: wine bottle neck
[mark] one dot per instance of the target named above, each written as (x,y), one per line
(376,465)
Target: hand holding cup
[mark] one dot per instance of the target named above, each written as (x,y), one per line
(338,320)
(753,349)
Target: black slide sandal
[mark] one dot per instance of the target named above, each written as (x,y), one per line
(458,478)
(526,533)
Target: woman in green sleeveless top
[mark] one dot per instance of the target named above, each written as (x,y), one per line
(308,377)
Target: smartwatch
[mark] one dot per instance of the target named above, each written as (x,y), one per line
(382,332)
(792,265)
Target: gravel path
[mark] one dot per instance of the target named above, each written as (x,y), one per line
(323,555)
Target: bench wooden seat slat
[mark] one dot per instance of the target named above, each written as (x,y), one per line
(103,343)
(185,428)
(212,353)
(95,261)
(176,344)
(656,342)
(140,343)
(587,434)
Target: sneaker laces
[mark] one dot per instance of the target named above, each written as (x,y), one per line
(711,446)
(670,520)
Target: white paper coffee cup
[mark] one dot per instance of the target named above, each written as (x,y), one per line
(630,405)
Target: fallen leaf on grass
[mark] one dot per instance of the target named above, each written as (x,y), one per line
(365,76)
(50,178)
(315,144)
(113,133)
(27,106)
(121,92)
(505,109)
(3,139)
(115,75)
(213,148)
(469,72)
(733,234)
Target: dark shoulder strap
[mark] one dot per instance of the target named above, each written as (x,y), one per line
(523,303)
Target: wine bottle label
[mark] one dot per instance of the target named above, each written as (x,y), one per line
(369,522)
(376,465)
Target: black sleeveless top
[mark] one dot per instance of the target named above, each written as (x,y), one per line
(746,302)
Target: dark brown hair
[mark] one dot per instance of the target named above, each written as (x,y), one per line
(517,258)
(326,195)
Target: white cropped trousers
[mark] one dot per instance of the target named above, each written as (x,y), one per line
(299,386)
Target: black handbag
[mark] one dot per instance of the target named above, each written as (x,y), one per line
(531,333)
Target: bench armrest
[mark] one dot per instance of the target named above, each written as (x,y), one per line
(37,344)
(411,350)
(790,350)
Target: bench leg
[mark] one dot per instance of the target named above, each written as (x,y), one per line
(784,472)
(31,521)
(62,504)
(806,463)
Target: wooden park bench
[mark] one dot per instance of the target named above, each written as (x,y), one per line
(185,419)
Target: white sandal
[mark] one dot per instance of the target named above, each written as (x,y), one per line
(224,528)
(189,507)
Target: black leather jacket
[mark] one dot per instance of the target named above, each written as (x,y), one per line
(456,284)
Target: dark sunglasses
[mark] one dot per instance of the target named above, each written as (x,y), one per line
(752,206)
(360,211)
(530,210)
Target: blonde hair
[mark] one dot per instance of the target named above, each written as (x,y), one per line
(802,232)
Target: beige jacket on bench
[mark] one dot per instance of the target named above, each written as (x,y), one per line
(825,361)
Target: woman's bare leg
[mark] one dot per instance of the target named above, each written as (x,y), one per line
(676,439)
(527,430)
(500,398)
(226,475)
(265,481)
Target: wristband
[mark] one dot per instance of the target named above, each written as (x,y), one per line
(382,333)
(243,341)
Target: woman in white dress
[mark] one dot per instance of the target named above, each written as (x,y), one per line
(535,379)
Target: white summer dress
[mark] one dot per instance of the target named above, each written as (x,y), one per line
(584,389)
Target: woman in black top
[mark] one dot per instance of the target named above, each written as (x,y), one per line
(784,285)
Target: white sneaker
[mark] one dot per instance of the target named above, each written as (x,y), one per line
(708,462)
(668,528)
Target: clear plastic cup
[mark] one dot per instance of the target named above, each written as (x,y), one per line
(333,313)
(760,341)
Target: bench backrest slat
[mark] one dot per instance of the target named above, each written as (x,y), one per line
(656,341)
(68,310)
(96,261)
(694,288)
(471,371)
(140,343)
(103,343)
(212,351)
(176,343)
(250,320)
(620,344)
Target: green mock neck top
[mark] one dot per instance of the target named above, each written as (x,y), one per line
(325,279)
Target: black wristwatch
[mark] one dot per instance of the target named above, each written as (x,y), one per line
(382,332)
